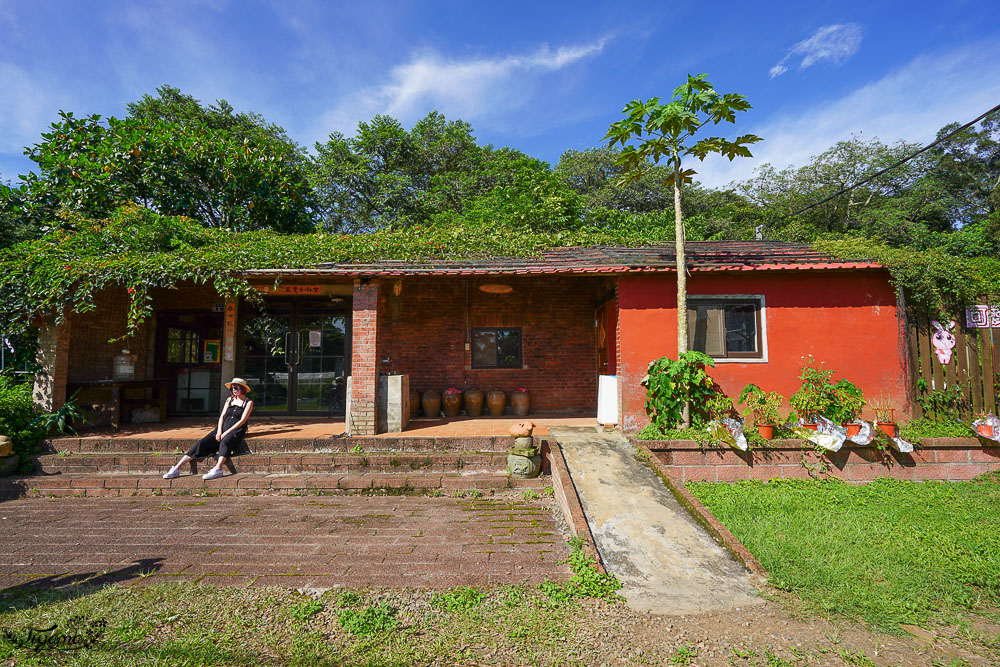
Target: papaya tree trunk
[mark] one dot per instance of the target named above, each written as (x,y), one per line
(682,311)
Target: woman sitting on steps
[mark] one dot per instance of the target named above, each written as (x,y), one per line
(228,435)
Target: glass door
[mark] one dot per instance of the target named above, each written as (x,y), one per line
(295,357)
(321,385)
(267,357)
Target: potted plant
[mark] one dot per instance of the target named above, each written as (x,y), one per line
(451,401)
(815,396)
(719,407)
(884,415)
(850,400)
(983,425)
(764,408)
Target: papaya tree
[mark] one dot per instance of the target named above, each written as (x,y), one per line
(654,131)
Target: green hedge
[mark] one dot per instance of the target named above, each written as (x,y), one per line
(17,412)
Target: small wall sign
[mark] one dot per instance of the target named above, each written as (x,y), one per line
(982,317)
(315,338)
(210,351)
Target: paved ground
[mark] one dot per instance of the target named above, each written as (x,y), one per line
(263,426)
(319,542)
(667,563)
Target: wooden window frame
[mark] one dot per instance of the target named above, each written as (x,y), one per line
(498,367)
(760,310)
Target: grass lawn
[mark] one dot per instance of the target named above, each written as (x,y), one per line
(887,553)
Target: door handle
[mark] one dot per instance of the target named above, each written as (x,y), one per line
(290,352)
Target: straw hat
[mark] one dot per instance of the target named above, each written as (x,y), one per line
(239,381)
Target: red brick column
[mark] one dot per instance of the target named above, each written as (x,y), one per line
(53,362)
(364,360)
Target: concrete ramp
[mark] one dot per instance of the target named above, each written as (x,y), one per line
(666,561)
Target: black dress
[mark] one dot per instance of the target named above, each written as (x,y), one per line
(230,444)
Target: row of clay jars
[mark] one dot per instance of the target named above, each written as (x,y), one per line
(496,401)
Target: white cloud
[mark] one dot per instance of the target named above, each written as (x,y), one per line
(911,103)
(468,89)
(831,43)
(29,105)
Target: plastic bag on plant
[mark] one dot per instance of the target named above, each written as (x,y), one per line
(729,431)
(990,420)
(865,434)
(827,435)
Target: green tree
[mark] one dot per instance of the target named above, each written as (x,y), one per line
(387,176)
(653,131)
(226,170)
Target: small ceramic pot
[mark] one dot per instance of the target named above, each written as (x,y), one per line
(766,431)
(496,401)
(431,402)
(520,403)
(451,403)
(985,430)
(414,403)
(852,429)
(474,402)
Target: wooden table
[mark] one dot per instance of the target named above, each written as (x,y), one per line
(117,387)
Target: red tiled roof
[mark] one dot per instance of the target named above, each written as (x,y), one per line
(701,256)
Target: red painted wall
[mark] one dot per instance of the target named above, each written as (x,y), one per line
(847,319)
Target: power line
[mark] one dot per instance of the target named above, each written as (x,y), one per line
(889,168)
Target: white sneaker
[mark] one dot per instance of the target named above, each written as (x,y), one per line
(172,474)
(214,473)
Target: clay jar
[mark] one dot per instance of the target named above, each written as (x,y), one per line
(474,402)
(414,403)
(451,403)
(431,402)
(520,402)
(496,401)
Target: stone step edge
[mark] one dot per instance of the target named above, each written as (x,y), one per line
(331,444)
(109,485)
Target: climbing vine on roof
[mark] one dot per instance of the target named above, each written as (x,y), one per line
(933,280)
(138,250)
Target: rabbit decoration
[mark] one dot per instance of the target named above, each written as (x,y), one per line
(943,341)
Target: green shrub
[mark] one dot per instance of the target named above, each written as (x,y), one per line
(925,427)
(672,384)
(306,609)
(371,621)
(462,598)
(18,418)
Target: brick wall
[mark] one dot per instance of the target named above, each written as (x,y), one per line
(364,362)
(49,391)
(424,330)
(939,458)
(91,354)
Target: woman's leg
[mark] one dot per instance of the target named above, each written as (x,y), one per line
(228,445)
(199,449)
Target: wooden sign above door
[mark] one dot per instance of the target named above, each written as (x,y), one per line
(305,290)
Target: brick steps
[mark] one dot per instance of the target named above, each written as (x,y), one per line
(260,445)
(291,462)
(247,484)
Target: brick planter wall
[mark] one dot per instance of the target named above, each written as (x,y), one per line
(953,459)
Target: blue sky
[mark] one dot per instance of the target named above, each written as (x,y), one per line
(538,76)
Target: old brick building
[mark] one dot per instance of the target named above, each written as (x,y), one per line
(551,324)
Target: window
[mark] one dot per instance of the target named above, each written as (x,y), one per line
(726,327)
(496,348)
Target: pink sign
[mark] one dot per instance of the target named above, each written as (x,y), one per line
(982,317)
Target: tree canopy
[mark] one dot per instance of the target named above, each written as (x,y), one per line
(178,190)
